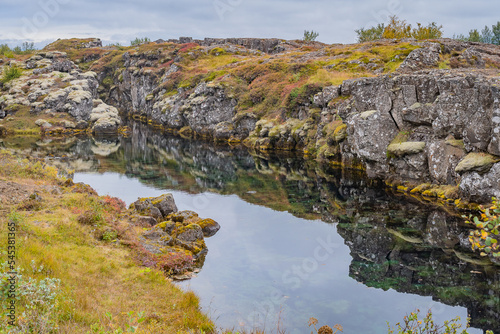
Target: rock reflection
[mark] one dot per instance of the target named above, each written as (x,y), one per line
(395,242)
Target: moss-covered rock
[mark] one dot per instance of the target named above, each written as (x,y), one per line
(476,162)
(406,148)
(209,227)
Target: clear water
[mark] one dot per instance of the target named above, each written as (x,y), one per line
(298,240)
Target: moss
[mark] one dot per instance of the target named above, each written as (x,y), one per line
(186,132)
(476,162)
(405,148)
(108,81)
(456,143)
(217,51)
(407,238)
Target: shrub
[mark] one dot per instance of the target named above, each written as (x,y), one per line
(370,34)
(90,217)
(310,36)
(413,325)
(139,41)
(37,299)
(175,263)
(399,29)
(4,48)
(485,237)
(11,73)
(115,203)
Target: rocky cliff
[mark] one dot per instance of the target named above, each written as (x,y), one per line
(423,116)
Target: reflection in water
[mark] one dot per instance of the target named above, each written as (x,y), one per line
(263,260)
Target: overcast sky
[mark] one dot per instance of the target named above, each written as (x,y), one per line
(43,21)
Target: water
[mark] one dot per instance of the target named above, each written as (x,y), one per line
(298,240)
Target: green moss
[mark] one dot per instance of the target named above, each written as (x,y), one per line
(340,133)
(476,162)
(405,148)
(217,51)
(108,81)
(456,143)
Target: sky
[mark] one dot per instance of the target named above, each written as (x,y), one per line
(43,21)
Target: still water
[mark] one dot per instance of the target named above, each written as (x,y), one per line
(298,240)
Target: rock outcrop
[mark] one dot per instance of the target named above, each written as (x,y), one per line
(169,231)
(53,85)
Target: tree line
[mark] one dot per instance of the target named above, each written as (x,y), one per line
(398,29)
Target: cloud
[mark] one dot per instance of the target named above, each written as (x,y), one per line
(123,20)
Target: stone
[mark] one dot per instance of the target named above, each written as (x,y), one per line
(146,221)
(370,133)
(494,145)
(405,148)
(324,97)
(157,207)
(476,162)
(443,157)
(481,188)
(209,227)
(224,131)
(191,233)
(419,114)
(420,59)
(165,203)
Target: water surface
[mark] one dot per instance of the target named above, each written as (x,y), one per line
(298,240)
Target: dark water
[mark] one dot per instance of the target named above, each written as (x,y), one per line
(298,240)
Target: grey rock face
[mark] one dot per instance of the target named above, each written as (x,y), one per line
(421,59)
(443,158)
(480,188)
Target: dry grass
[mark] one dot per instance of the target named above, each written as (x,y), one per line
(97,277)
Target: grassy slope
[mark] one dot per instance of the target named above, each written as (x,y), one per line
(96,276)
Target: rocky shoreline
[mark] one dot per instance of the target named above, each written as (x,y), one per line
(428,126)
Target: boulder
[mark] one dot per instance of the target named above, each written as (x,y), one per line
(443,157)
(420,59)
(476,162)
(209,227)
(369,133)
(481,188)
(405,148)
(165,203)
(190,233)
(157,207)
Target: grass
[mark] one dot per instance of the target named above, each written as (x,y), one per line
(11,73)
(21,121)
(97,277)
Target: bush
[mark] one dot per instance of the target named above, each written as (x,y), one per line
(485,237)
(11,73)
(175,263)
(90,217)
(413,325)
(310,36)
(37,299)
(399,29)
(371,34)
(139,41)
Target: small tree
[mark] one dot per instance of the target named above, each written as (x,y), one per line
(495,30)
(371,34)
(310,36)
(28,47)
(139,41)
(474,36)
(486,35)
(397,29)
(427,32)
